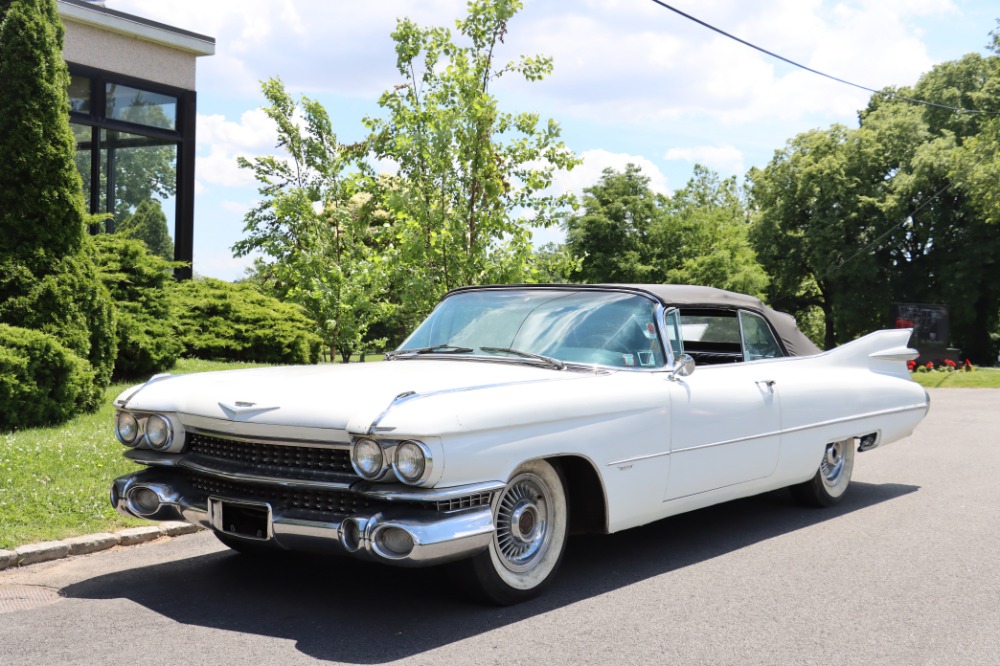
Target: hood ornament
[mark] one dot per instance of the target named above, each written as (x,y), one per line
(244,407)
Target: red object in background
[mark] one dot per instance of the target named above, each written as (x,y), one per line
(929,366)
(910,365)
(904,323)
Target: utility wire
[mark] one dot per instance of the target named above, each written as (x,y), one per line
(816,71)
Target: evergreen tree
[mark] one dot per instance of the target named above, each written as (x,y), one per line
(48,277)
(149,224)
(41,203)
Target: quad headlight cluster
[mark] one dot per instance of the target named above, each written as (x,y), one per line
(409,460)
(153,430)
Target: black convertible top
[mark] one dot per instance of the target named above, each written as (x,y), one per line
(683,295)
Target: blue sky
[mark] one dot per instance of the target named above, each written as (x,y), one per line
(633,82)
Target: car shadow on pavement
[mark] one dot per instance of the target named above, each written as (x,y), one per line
(345,610)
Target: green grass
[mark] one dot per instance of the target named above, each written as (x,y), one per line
(979,378)
(54,481)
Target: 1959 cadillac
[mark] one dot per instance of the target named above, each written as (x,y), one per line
(512,417)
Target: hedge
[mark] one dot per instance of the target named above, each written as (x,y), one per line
(41,381)
(222,321)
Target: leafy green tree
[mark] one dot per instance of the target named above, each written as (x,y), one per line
(48,278)
(314,225)
(471,178)
(149,224)
(628,233)
(615,236)
(703,238)
(849,220)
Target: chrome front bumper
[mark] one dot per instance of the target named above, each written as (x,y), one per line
(405,536)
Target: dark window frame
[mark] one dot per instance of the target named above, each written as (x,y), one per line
(183,137)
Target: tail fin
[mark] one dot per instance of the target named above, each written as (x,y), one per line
(883,351)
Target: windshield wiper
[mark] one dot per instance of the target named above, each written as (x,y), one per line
(547,360)
(436,349)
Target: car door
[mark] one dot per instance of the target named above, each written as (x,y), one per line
(726,416)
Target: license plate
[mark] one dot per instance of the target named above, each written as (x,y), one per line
(252,521)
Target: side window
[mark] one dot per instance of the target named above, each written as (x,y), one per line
(758,340)
(711,336)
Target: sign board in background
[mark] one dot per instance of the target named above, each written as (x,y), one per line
(931,326)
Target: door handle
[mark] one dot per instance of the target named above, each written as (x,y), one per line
(766,383)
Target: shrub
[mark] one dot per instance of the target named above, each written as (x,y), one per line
(41,381)
(66,301)
(141,287)
(223,321)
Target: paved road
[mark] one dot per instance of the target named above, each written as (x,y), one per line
(906,571)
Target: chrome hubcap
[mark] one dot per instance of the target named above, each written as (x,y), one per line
(522,522)
(832,467)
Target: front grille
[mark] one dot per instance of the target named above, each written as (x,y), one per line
(286,459)
(340,502)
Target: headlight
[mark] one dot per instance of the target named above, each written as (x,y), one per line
(368,459)
(412,461)
(157,432)
(126,428)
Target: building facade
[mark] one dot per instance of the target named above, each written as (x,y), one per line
(133,110)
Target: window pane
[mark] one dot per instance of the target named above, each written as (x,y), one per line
(758,341)
(141,182)
(82,134)
(592,327)
(141,106)
(79,94)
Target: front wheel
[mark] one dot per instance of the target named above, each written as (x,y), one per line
(832,478)
(530,519)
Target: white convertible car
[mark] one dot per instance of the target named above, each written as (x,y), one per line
(512,417)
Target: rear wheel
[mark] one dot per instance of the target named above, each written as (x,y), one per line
(530,518)
(832,478)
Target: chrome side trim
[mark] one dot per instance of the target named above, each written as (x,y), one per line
(774,433)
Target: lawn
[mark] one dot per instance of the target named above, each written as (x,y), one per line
(980,378)
(54,481)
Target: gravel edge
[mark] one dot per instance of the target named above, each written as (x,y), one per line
(91,543)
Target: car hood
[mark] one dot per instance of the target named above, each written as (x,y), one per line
(342,397)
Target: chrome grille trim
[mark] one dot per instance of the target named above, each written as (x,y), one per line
(268,440)
(337,502)
(468,502)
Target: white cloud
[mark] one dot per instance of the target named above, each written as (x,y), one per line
(727,159)
(221,141)
(220,264)
(596,161)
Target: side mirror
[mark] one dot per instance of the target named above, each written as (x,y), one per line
(683,367)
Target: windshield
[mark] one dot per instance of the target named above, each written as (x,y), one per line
(591,327)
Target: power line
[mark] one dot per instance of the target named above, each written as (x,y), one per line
(816,71)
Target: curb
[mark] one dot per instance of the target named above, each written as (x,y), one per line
(56,550)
